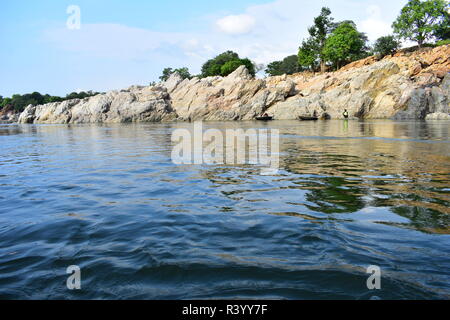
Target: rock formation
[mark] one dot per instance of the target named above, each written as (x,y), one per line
(408,85)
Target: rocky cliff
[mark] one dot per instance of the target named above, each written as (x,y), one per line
(408,85)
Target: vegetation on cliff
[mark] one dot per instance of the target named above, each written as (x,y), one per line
(18,102)
(331,44)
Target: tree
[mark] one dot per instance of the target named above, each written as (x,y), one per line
(288,65)
(319,32)
(421,21)
(166,74)
(183,72)
(307,56)
(442,31)
(225,63)
(229,67)
(345,45)
(311,51)
(386,46)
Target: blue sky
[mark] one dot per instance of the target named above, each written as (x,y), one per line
(126,42)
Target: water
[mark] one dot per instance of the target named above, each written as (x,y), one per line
(108,199)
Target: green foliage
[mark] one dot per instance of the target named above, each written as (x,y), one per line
(19,102)
(385,46)
(307,56)
(166,74)
(226,63)
(443,42)
(183,72)
(345,45)
(229,67)
(420,21)
(311,52)
(288,65)
(442,31)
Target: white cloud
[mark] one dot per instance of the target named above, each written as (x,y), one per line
(375,26)
(236,24)
(263,33)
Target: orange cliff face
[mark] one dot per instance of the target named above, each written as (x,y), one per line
(408,85)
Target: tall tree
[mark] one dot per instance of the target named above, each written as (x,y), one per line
(308,56)
(420,21)
(312,48)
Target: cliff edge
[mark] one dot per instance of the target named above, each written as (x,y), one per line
(408,85)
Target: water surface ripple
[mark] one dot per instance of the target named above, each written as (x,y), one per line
(108,199)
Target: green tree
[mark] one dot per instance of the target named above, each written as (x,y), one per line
(311,51)
(232,65)
(386,46)
(183,72)
(275,68)
(288,65)
(420,21)
(6,102)
(442,31)
(307,55)
(229,67)
(345,45)
(225,63)
(166,74)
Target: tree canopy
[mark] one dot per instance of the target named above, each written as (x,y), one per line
(345,44)
(420,21)
(183,72)
(288,65)
(225,63)
(385,46)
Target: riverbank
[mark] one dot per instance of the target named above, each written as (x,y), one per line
(408,85)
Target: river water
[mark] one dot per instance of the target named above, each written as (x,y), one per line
(109,199)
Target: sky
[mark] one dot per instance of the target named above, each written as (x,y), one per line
(120,43)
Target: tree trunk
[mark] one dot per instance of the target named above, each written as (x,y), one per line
(322,66)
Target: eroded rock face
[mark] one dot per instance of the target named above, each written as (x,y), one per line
(136,104)
(406,86)
(8,116)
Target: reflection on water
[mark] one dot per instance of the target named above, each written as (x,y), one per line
(348,195)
